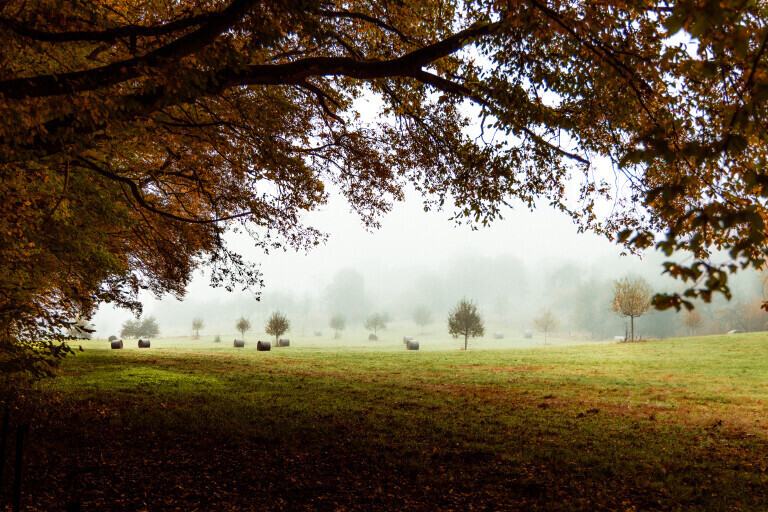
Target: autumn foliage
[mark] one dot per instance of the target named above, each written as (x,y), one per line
(631,299)
(135,135)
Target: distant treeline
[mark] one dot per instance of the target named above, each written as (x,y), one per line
(509,293)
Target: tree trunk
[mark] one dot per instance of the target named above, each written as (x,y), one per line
(465,341)
(632,323)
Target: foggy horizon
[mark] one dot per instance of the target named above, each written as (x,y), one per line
(402,262)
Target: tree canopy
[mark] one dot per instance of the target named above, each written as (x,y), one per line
(338,323)
(243,325)
(134,135)
(465,320)
(545,322)
(197,324)
(137,328)
(375,322)
(422,316)
(631,299)
(277,325)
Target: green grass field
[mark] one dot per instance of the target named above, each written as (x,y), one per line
(676,424)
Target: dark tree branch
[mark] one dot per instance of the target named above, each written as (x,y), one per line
(109,35)
(297,71)
(322,96)
(60,132)
(263,74)
(111,74)
(367,18)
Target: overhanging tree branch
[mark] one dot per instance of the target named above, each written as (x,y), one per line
(448,86)
(367,18)
(139,197)
(107,35)
(117,72)
(60,132)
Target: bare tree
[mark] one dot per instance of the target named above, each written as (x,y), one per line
(631,298)
(375,322)
(465,320)
(277,325)
(546,322)
(422,316)
(197,324)
(338,324)
(692,320)
(243,325)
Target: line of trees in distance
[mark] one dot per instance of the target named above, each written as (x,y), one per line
(511,294)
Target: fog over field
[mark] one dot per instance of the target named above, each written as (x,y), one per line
(514,269)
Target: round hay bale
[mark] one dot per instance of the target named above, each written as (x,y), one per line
(412,345)
(263,346)
(734,331)
(528,334)
(112,338)
(406,339)
(498,335)
(239,343)
(143,343)
(283,342)
(116,344)
(373,337)
(318,333)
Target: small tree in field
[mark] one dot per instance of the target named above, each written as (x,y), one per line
(277,325)
(338,324)
(631,298)
(197,324)
(422,317)
(546,322)
(130,328)
(465,320)
(243,326)
(692,321)
(148,328)
(375,322)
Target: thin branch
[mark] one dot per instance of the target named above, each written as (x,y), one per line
(138,195)
(321,99)
(369,19)
(461,90)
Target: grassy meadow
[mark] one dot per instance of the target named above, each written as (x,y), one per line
(335,425)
